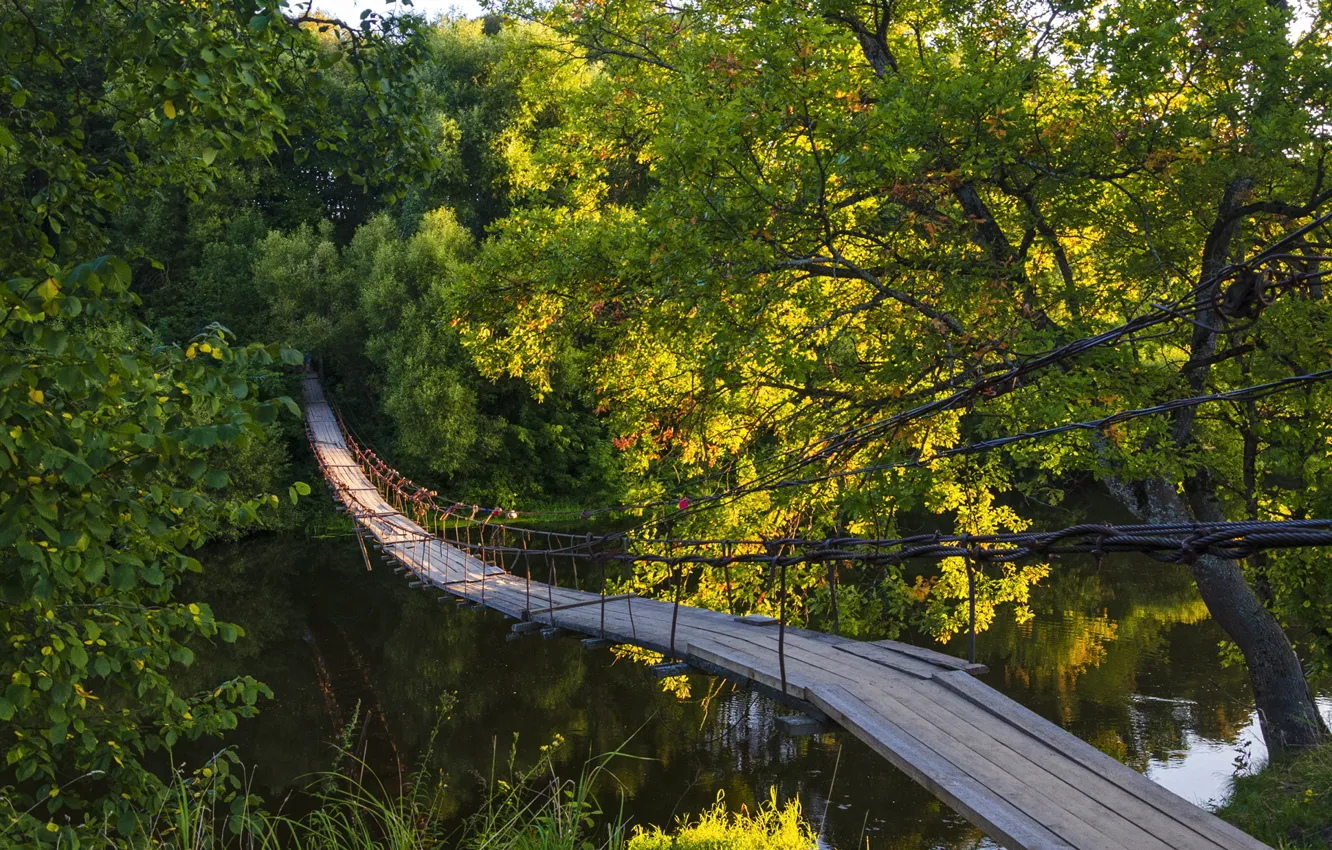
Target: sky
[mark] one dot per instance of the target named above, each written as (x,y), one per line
(351,9)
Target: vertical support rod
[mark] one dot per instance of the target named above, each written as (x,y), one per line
(781,626)
(832,583)
(675,609)
(726,565)
(527,559)
(485,568)
(971,604)
(550,585)
(361,541)
(624,548)
(602,633)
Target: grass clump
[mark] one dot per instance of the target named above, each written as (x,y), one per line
(772,827)
(1287,804)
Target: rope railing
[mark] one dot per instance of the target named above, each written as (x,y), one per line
(1173,543)
(1253,289)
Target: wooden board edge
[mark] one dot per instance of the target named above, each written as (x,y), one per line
(994,816)
(1070,745)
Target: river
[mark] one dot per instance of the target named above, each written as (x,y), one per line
(1122,655)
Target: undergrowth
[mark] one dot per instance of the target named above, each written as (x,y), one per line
(772,827)
(532,809)
(1287,804)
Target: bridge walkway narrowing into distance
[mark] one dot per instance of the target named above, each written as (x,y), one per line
(1022,780)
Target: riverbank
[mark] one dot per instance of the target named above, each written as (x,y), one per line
(1287,804)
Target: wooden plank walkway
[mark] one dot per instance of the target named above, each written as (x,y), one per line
(1024,781)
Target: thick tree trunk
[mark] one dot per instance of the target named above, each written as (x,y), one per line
(1286,709)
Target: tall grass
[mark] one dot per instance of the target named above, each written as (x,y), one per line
(524,809)
(533,809)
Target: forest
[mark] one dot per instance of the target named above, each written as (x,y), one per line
(724,270)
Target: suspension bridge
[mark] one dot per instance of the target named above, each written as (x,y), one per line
(1022,780)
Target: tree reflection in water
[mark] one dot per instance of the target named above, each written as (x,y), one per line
(1123,656)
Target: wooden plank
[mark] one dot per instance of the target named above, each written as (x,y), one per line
(797,661)
(1097,802)
(758,620)
(1058,807)
(595,600)
(1106,792)
(1000,819)
(936,738)
(888,658)
(933,656)
(1093,759)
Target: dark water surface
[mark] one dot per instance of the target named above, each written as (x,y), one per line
(1123,656)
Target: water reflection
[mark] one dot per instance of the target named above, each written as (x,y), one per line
(1123,656)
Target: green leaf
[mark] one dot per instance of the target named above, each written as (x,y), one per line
(6,710)
(122,577)
(204,437)
(77,474)
(292,357)
(291,406)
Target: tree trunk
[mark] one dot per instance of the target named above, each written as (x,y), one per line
(1286,709)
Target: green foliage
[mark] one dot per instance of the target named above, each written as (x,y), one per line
(755,225)
(120,454)
(106,104)
(490,91)
(378,315)
(105,484)
(1288,803)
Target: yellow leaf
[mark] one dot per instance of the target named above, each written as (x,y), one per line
(36,396)
(169,108)
(191,351)
(217,354)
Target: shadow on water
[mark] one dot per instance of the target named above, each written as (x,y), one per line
(1123,656)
